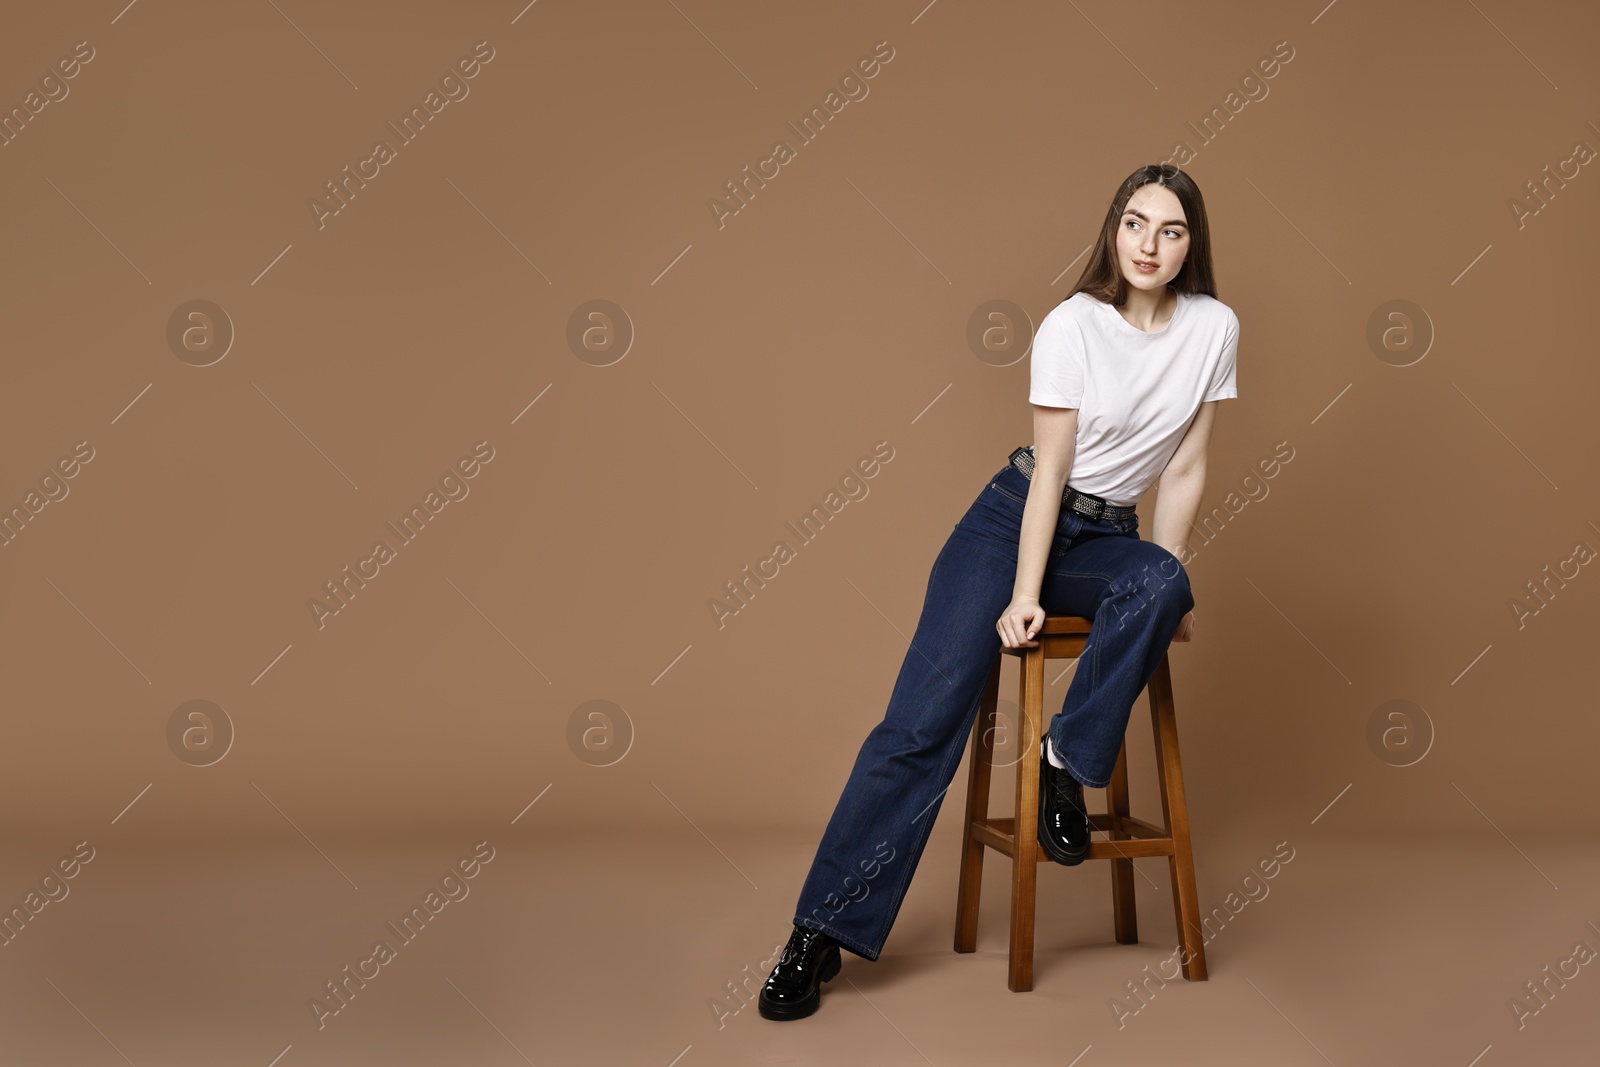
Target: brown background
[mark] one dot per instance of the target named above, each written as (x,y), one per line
(768,355)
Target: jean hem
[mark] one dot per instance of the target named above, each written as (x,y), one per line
(1074,772)
(845,940)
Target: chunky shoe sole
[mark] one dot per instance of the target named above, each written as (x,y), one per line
(1066,859)
(799,1009)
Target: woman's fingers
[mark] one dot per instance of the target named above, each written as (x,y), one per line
(1008,636)
(1017,628)
(1185,628)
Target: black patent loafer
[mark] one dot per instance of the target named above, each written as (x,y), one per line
(793,990)
(1063,819)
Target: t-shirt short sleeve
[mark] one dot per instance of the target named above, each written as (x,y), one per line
(1056,373)
(1223,383)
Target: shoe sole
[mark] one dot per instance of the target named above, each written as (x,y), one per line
(1066,859)
(801,1009)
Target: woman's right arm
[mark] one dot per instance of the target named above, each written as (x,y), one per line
(1055,432)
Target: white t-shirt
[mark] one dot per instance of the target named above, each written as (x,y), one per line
(1135,392)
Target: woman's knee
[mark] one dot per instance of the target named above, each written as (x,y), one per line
(1159,578)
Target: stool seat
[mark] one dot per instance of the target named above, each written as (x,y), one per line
(1130,838)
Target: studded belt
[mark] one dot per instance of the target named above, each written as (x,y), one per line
(1086,504)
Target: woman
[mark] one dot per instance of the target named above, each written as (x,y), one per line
(1124,381)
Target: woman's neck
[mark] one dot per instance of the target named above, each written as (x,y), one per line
(1147,311)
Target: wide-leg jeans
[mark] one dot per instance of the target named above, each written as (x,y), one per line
(1136,593)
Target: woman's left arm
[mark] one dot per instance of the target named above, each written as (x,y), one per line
(1181,483)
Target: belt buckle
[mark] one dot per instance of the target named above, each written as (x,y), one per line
(1096,508)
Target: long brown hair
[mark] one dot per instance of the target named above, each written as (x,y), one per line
(1102,278)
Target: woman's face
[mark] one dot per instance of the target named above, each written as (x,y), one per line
(1152,230)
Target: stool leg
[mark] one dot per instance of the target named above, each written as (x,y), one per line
(1025,826)
(1125,917)
(1186,902)
(981,761)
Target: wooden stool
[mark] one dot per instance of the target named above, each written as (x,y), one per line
(1063,637)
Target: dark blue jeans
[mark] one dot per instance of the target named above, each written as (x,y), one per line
(1135,591)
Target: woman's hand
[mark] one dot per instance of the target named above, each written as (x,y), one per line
(1022,619)
(1185,628)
